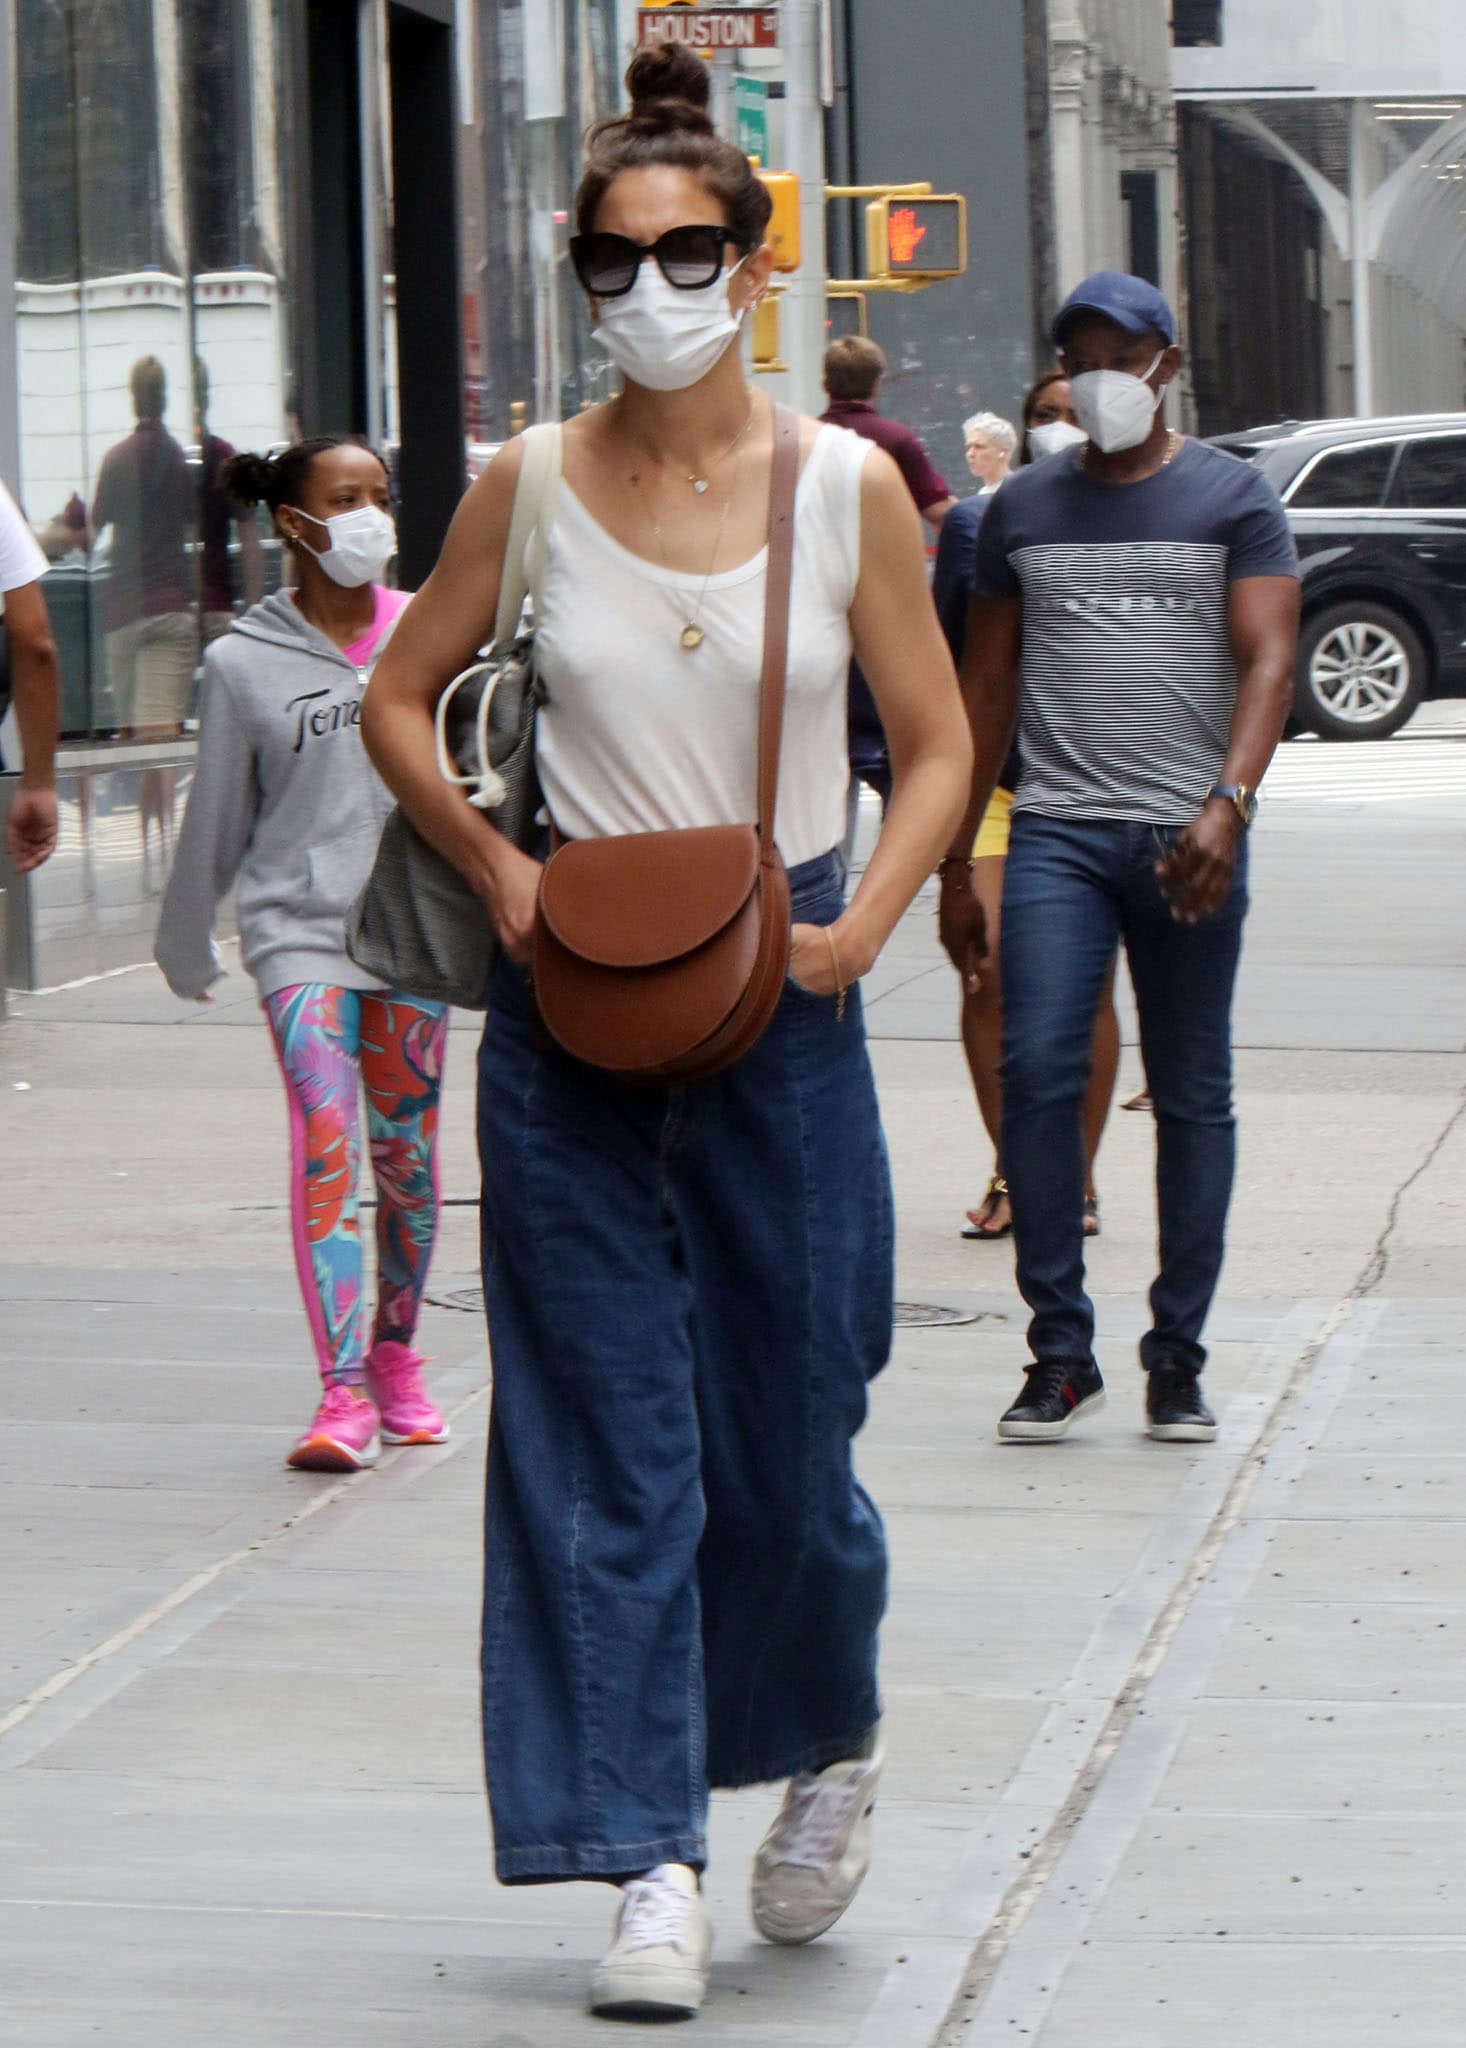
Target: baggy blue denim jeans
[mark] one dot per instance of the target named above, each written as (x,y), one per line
(1072,889)
(688,1289)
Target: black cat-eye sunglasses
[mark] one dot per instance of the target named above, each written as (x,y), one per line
(689,258)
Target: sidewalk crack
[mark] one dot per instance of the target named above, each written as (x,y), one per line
(1376,1266)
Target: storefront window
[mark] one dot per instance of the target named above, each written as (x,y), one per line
(152,338)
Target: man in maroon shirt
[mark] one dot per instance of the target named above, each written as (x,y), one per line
(854,368)
(145,496)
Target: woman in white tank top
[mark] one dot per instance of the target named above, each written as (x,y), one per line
(688,1286)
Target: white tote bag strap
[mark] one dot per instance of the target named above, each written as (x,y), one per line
(526,551)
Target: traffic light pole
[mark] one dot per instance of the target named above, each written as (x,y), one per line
(802,304)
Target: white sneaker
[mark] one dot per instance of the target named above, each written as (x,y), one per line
(657,1967)
(816,1854)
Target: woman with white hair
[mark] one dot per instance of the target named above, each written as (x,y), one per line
(990,441)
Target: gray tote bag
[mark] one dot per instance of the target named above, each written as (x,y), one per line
(417,926)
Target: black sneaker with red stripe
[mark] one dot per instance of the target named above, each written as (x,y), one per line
(1056,1391)
(1174,1410)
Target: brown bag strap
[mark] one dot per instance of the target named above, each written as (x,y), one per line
(783,483)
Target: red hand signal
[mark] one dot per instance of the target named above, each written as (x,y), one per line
(904,234)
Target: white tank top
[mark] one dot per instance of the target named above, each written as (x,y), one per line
(638,734)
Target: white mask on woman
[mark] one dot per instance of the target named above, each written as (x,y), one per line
(665,339)
(1115,408)
(362,543)
(1053,436)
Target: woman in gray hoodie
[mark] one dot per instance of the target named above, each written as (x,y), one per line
(286,809)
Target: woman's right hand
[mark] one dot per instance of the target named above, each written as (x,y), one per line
(962,925)
(511,892)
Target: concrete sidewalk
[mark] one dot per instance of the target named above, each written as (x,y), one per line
(242,1770)
(1177,1734)
(1202,1711)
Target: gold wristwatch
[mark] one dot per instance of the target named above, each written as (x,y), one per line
(1242,799)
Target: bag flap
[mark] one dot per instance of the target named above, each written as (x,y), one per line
(648,897)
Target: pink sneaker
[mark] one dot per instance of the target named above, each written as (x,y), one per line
(342,1437)
(394,1381)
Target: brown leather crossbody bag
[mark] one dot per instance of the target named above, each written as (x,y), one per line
(661,955)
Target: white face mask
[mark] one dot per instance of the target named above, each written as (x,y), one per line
(664,339)
(1114,408)
(362,543)
(1053,436)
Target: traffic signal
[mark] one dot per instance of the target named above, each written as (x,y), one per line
(766,354)
(923,238)
(783,228)
(845,314)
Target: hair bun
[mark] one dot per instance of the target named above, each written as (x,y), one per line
(670,88)
(248,479)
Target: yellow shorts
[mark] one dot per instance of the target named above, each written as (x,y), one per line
(992,834)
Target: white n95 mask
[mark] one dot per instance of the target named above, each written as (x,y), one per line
(1115,408)
(361,544)
(1053,436)
(665,339)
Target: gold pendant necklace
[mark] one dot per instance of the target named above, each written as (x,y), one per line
(692,635)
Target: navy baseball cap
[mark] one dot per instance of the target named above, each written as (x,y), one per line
(1129,301)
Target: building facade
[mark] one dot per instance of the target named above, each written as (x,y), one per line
(1111,137)
(1323,165)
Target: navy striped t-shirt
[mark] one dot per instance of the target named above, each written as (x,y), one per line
(1128,680)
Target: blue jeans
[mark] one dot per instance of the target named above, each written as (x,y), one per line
(1073,888)
(688,1290)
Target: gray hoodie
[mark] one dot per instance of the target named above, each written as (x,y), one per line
(284,803)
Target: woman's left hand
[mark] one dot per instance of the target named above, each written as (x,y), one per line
(812,963)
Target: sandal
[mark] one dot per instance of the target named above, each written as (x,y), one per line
(1142,1102)
(979,1223)
(1091,1216)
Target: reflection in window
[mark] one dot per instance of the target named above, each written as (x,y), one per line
(48,248)
(218,137)
(151,329)
(1433,475)
(1348,477)
(107,172)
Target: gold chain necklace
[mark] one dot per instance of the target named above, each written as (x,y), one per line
(692,635)
(700,483)
(1174,443)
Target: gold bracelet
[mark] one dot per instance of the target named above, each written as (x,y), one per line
(839,978)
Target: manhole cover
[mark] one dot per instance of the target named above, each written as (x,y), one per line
(926,1315)
(469,1299)
(910,1315)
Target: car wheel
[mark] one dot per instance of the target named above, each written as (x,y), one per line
(1361,672)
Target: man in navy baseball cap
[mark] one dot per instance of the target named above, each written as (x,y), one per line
(1129,301)
(1134,612)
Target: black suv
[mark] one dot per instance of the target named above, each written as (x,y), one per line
(1378,508)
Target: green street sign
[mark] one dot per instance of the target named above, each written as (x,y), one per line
(751,117)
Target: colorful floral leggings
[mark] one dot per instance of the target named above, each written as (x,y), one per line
(330,1042)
